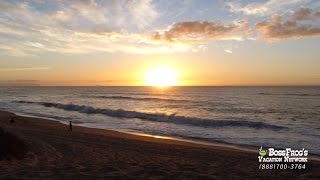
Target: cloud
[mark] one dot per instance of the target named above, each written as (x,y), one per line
(305,14)
(267,8)
(228,51)
(248,9)
(76,27)
(19,82)
(83,27)
(24,81)
(200,31)
(115,14)
(300,24)
(31,28)
(24,69)
(143,12)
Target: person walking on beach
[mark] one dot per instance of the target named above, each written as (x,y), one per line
(70,126)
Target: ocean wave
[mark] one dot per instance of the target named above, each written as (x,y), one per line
(289,94)
(173,118)
(50,116)
(140,99)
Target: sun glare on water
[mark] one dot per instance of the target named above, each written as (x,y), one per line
(161,77)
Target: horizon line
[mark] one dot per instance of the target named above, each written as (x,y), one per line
(292,85)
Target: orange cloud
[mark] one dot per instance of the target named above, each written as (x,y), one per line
(199,31)
(291,28)
(305,14)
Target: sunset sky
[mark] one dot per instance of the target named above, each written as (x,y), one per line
(100,42)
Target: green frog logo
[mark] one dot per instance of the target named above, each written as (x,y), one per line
(262,152)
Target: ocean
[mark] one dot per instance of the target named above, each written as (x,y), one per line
(279,117)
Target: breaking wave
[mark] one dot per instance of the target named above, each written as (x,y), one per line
(173,118)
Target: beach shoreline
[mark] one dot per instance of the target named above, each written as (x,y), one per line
(241,147)
(90,152)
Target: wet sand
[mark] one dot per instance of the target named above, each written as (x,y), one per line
(88,153)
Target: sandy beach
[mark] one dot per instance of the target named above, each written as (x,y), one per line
(87,153)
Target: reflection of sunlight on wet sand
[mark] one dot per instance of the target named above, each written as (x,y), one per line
(153,136)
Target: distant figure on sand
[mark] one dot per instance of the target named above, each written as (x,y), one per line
(12,120)
(70,127)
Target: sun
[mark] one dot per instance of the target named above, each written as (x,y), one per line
(161,76)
